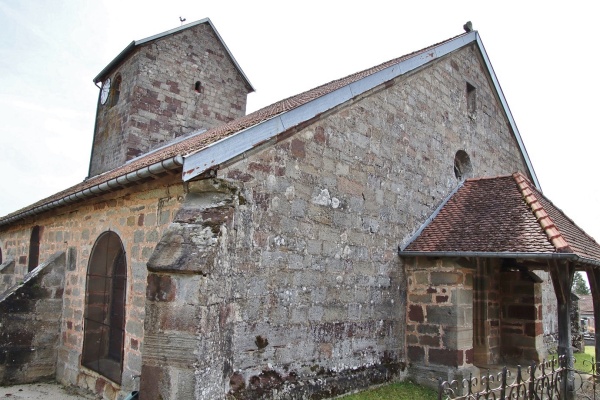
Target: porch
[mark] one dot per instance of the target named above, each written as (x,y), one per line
(476,272)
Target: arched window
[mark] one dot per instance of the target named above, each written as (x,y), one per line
(462,165)
(105,307)
(34,249)
(115,91)
(198,87)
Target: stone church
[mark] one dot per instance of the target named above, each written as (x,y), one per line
(388,225)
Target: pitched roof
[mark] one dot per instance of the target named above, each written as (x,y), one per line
(504,216)
(137,43)
(201,152)
(586,304)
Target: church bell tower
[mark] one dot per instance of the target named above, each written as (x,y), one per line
(164,87)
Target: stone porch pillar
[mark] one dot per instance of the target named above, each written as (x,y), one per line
(522,332)
(439,320)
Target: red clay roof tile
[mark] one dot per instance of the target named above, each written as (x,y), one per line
(199,142)
(502,214)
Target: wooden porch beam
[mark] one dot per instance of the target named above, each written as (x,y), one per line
(562,280)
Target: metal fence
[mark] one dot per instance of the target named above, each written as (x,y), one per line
(549,380)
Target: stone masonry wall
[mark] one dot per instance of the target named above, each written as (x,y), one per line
(158,101)
(522,331)
(549,313)
(189,307)
(7,274)
(30,322)
(320,289)
(439,319)
(139,216)
(487,312)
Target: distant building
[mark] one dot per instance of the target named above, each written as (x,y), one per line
(586,312)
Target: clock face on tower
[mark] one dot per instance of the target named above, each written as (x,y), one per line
(105,91)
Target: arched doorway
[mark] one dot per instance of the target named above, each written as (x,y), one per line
(105,307)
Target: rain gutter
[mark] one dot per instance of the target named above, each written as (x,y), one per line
(96,190)
(500,254)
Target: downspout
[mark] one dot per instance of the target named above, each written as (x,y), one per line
(96,190)
(95,127)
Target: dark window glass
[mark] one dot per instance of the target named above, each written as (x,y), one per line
(471,99)
(462,165)
(105,308)
(115,91)
(34,249)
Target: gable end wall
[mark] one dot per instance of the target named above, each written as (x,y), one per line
(319,280)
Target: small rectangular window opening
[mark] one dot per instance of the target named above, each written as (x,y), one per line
(471,99)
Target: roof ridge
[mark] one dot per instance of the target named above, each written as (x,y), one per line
(550,229)
(485,178)
(567,217)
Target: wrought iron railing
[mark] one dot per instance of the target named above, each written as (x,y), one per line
(549,380)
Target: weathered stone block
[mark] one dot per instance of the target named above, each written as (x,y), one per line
(462,297)
(415,354)
(160,288)
(521,311)
(415,313)
(458,337)
(443,315)
(451,358)
(446,278)
(432,341)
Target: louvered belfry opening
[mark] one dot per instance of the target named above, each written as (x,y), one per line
(105,307)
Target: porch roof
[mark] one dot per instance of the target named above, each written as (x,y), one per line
(504,217)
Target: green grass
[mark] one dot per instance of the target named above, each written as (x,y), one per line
(583,361)
(395,391)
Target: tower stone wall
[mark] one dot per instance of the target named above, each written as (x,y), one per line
(169,88)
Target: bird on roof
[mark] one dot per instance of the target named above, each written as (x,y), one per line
(468,27)
(182,20)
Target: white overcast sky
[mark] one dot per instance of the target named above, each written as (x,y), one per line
(544,54)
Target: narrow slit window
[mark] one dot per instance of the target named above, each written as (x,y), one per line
(115,91)
(198,87)
(471,99)
(34,249)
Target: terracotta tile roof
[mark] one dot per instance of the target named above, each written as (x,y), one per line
(198,142)
(504,214)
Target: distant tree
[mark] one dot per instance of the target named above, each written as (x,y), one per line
(579,284)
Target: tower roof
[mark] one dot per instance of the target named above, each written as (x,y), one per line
(137,43)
